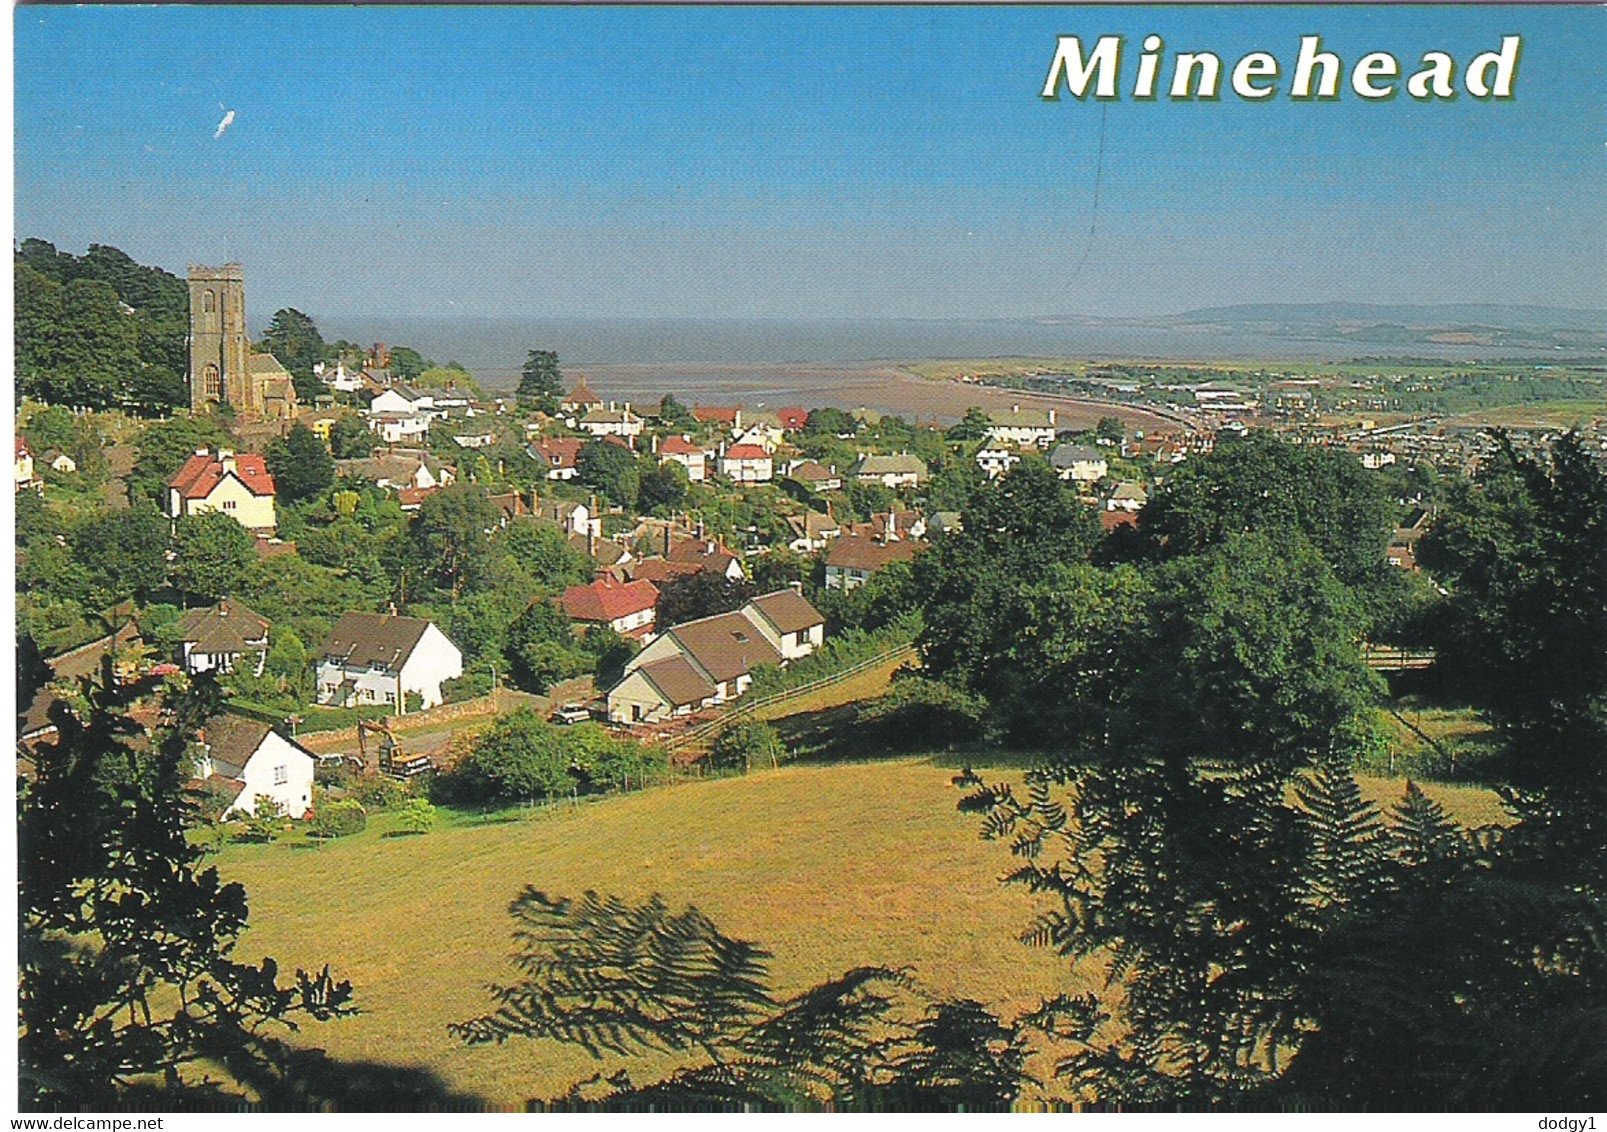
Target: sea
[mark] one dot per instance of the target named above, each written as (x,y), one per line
(805,361)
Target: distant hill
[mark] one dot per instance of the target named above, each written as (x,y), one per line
(1440,315)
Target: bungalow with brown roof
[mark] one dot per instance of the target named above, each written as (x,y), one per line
(854,558)
(216,638)
(711,660)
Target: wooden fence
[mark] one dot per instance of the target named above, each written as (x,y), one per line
(1384,658)
(745,708)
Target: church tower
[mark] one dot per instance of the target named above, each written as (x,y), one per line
(219,351)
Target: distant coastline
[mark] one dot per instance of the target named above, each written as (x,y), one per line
(724,348)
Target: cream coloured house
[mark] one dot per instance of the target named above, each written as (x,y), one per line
(239,486)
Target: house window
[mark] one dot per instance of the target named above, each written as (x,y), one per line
(390,697)
(281,774)
(229,504)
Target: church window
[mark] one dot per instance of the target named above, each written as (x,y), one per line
(209,302)
(212,381)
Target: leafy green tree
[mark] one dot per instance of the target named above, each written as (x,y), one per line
(521,759)
(1180,848)
(544,555)
(350,438)
(700,595)
(407,363)
(675,415)
(126,978)
(828,422)
(163,448)
(973,426)
(452,536)
(123,554)
(1262,483)
(1111,429)
(1523,550)
(746,742)
(610,468)
(450,376)
(418,816)
(1018,530)
(300,465)
(663,488)
(210,554)
(540,648)
(541,382)
(294,339)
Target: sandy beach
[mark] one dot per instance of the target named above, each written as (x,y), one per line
(883,387)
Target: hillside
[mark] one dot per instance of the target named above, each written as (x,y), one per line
(827,866)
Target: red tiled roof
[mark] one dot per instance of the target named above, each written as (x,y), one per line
(560,452)
(679,446)
(22,448)
(413,496)
(715,413)
(202,473)
(1110,520)
(746,452)
(606,600)
(792,419)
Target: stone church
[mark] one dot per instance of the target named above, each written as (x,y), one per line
(223,367)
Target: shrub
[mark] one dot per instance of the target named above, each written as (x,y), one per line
(265,824)
(339,819)
(920,712)
(418,816)
(378,792)
(747,742)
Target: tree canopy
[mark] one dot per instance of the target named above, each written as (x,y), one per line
(301,466)
(126,977)
(541,382)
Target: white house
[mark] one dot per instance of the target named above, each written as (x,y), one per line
(611,421)
(400,427)
(338,377)
(680,450)
(1079,463)
(901,470)
(249,759)
(747,463)
(1022,428)
(25,473)
(793,627)
(996,461)
(378,658)
(403,399)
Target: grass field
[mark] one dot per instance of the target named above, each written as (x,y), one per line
(828,866)
(1542,414)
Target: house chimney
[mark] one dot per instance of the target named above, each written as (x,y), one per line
(796,587)
(1051,416)
(655,444)
(203,451)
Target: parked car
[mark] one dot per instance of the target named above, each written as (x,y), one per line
(571,713)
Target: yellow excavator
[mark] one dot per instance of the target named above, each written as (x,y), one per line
(392,760)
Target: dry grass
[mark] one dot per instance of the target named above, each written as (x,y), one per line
(828,867)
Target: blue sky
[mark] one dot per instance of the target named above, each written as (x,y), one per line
(762,162)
